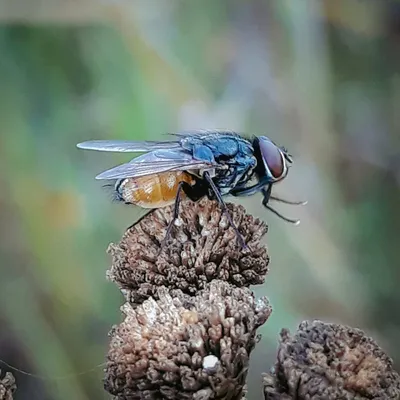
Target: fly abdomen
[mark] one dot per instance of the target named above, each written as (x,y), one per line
(152,191)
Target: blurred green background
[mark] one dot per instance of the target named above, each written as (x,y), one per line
(319,77)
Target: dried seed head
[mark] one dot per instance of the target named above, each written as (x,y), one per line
(202,248)
(329,361)
(7,386)
(185,347)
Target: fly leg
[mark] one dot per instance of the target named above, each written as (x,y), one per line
(176,212)
(224,208)
(267,197)
(261,187)
(194,193)
(293,203)
(250,190)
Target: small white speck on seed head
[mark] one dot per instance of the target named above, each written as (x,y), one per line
(210,363)
(224,222)
(178,222)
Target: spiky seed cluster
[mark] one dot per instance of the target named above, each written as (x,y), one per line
(329,361)
(185,347)
(7,386)
(203,247)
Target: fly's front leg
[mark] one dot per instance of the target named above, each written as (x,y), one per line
(250,190)
(284,201)
(224,208)
(267,194)
(264,181)
(267,197)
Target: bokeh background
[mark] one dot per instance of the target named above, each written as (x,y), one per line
(319,77)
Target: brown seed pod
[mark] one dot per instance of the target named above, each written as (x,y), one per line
(330,361)
(186,347)
(7,386)
(203,247)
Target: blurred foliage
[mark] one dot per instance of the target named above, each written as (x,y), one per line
(319,77)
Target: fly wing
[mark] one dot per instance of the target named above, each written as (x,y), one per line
(156,162)
(130,146)
(198,132)
(203,132)
(127,146)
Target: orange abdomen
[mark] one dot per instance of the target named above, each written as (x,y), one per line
(154,191)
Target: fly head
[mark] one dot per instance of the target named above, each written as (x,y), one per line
(275,161)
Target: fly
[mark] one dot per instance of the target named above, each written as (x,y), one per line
(197,164)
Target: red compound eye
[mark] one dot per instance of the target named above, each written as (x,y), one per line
(272,157)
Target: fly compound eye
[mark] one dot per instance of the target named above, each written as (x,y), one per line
(274,162)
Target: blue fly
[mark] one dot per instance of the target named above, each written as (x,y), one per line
(194,165)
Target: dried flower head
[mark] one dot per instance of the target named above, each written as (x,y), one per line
(203,247)
(185,347)
(7,386)
(329,361)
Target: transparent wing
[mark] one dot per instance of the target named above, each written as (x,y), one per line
(156,162)
(202,132)
(127,146)
(198,132)
(130,146)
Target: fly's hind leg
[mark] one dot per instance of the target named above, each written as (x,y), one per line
(224,208)
(194,193)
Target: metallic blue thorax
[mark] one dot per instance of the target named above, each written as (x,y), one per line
(234,153)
